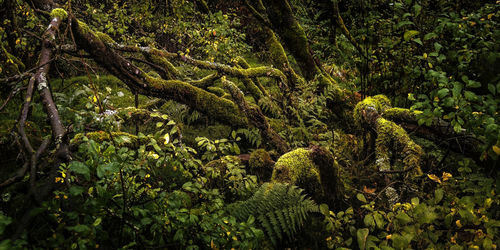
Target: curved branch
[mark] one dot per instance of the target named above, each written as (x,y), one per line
(256,118)
(136,79)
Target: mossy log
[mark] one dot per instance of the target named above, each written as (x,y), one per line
(168,69)
(140,82)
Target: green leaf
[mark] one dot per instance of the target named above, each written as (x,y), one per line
(403,218)
(361,235)
(417,9)
(379,220)
(97,222)
(107,169)
(79,228)
(415,201)
(437,46)
(430,36)
(369,221)
(492,88)
(470,96)
(438,195)
(442,93)
(408,35)
(323,208)
(80,168)
(399,242)
(76,190)
(403,23)
(417,40)
(361,197)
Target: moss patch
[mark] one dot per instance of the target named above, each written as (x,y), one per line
(389,133)
(261,164)
(297,168)
(59,13)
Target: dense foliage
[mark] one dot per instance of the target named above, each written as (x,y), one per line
(301,163)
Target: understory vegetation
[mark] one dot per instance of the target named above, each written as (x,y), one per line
(265,124)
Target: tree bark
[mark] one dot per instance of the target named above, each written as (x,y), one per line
(290,31)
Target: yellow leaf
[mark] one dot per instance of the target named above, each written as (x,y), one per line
(18,41)
(459,224)
(228,233)
(434,178)
(388,237)
(94,98)
(490,15)
(496,149)
(446,176)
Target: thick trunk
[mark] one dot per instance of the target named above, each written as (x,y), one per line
(284,23)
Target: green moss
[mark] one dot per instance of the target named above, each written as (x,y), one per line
(59,13)
(375,104)
(399,114)
(84,28)
(205,82)
(11,64)
(297,168)
(261,164)
(277,125)
(389,133)
(131,115)
(154,74)
(216,90)
(205,102)
(170,69)
(105,38)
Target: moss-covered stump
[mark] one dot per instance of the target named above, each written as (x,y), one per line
(391,137)
(392,142)
(314,170)
(261,164)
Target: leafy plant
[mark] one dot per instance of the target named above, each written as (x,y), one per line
(281,210)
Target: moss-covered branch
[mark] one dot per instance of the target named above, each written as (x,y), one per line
(256,117)
(262,71)
(390,136)
(343,28)
(290,31)
(219,108)
(254,87)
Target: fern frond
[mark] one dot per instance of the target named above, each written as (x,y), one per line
(280,209)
